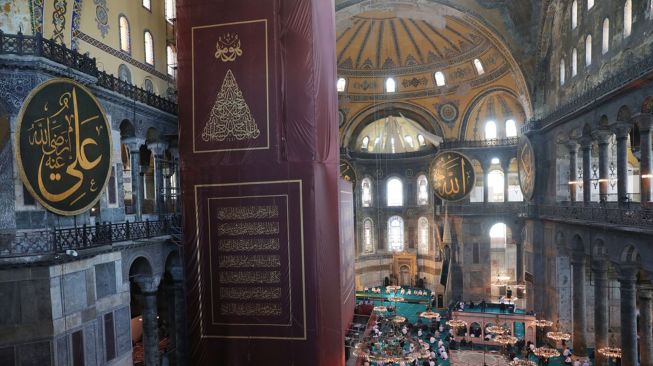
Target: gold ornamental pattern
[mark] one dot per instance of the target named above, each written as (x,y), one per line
(250,277)
(230,118)
(452,175)
(248,212)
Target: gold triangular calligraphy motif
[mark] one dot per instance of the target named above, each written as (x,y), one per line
(230,117)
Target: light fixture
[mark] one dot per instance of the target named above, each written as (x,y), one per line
(558,336)
(429,315)
(546,352)
(455,323)
(380,309)
(386,345)
(495,329)
(610,352)
(393,288)
(521,363)
(505,339)
(543,323)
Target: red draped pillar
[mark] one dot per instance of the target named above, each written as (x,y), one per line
(258,148)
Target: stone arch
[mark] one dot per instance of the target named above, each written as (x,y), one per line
(599,249)
(647,104)
(624,114)
(630,255)
(152,135)
(576,244)
(127,129)
(140,266)
(604,121)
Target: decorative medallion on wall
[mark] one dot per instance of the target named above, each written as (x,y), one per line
(59,20)
(414,82)
(102,17)
(379,173)
(409,173)
(63,146)
(347,172)
(526,165)
(452,175)
(448,112)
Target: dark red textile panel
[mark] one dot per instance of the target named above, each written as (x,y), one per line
(347,253)
(259,168)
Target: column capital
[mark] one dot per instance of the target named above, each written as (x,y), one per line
(646,292)
(603,136)
(157,148)
(628,273)
(644,121)
(572,145)
(600,265)
(621,129)
(148,284)
(586,142)
(133,144)
(577,258)
(177,273)
(174,151)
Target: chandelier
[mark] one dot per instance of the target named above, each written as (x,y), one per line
(380,309)
(393,288)
(610,352)
(543,323)
(559,336)
(521,363)
(502,280)
(546,352)
(455,323)
(395,299)
(429,315)
(496,330)
(505,339)
(391,345)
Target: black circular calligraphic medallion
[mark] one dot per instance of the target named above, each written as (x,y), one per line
(63,146)
(526,167)
(452,175)
(347,172)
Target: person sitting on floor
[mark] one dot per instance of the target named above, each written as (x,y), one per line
(568,360)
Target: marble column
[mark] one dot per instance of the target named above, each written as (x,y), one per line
(158,148)
(621,131)
(519,248)
(600,273)
(603,137)
(573,168)
(134,146)
(505,166)
(586,146)
(645,326)
(486,182)
(579,304)
(645,123)
(177,274)
(628,291)
(149,286)
(174,152)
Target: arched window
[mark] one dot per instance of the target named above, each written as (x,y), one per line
(366,192)
(171,11)
(368,236)
(148,85)
(421,141)
(562,72)
(490,130)
(495,186)
(149,48)
(366,142)
(147,4)
(588,50)
(574,14)
(498,231)
(171,59)
(396,234)
(590,4)
(125,44)
(423,235)
(395,192)
(409,141)
(511,128)
(574,62)
(422,190)
(628,17)
(390,85)
(124,74)
(606,36)
(439,78)
(341,84)
(479,67)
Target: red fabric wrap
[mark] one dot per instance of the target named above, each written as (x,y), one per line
(259,161)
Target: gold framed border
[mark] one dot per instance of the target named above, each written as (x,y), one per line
(211,260)
(199,266)
(19,160)
(267,84)
(524,140)
(432,165)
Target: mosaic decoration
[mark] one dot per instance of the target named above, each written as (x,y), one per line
(448,112)
(63,147)
(102,17)
(74,29)
(347,172)
(452,175)
(36,8)
(526,163)
(365,84)
(15,87)
(414,82)
(59,20)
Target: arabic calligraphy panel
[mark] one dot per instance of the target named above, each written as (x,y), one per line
(526,164)
(63,146)
(231,86)
(452,175)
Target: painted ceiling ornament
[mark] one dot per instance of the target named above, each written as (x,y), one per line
(230,117)
(63,147)
(102,17)
(448,112)
(526,167)
(452,175)
(227,49)
(36,9)
(59,20)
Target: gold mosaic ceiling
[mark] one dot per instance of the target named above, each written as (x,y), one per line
(379,40)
